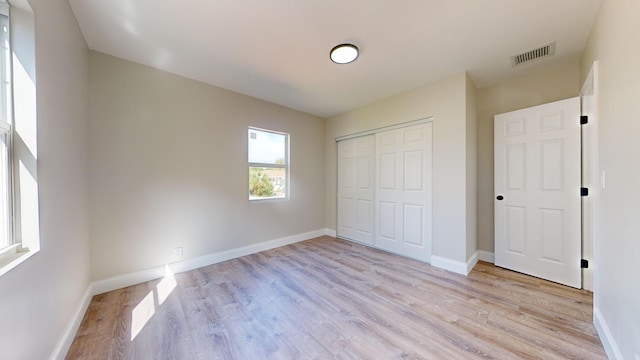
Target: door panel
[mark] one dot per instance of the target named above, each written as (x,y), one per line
(414,170)
(551,227)
(552,165)
(537,171)
(516,163)
(365,216)
(516,229)
(413,226)
(356,189)
(387,165)
(387,220)
(403,191)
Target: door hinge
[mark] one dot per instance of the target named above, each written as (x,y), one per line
(584,264)
(584,119)
(584,191)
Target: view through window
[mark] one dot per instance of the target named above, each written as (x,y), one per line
(268,164)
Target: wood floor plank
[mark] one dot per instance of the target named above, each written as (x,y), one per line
(329,298)
(99,325)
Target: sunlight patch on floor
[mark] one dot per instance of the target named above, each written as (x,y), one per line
(144,311)
(166,285)
(141,314)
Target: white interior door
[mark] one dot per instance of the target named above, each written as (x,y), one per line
(356,188)
(403,191)
(537,189)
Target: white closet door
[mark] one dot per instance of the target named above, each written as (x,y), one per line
(356,188)
(403,191)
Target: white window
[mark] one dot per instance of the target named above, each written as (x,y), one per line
(19,214)
(268,164)
(6,131)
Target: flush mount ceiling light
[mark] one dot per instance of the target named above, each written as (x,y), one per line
(344,53)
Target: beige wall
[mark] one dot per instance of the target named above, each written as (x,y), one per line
(615,43)
(169,168)
(39,298)
(543,85)
(445,101)
(472,168)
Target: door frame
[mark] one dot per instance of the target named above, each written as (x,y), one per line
(384,128)
(592,176)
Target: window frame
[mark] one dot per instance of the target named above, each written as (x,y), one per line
(11,243)
(22,207)
(285,166)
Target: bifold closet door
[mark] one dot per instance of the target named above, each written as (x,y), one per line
(356,188)
(404,191)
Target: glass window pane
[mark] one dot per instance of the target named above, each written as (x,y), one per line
(267,183)
(5,71)
(6,207)
(266,147)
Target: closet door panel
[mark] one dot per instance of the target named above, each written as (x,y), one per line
(403,191)
(356,189)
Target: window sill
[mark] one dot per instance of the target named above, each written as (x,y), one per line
(266,199)
(12,257)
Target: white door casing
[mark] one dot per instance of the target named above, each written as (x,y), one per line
(591,178)
(356,188)
(403,197)
(537,172)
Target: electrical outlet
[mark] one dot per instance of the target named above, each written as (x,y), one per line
(177,253)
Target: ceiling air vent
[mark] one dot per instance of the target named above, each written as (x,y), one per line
(535,54)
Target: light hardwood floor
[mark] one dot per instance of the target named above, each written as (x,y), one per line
(332,299)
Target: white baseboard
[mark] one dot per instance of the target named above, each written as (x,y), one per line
(486,256)
(124,280)
(471,262)
(457,267)
(69,334)
(330,232)
(608,342)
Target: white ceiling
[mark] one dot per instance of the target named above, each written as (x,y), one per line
(278,50)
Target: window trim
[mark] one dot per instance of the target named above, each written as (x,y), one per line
(12,245)
(285,166)
(21,103)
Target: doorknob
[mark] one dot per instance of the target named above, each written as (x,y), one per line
(499,197)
